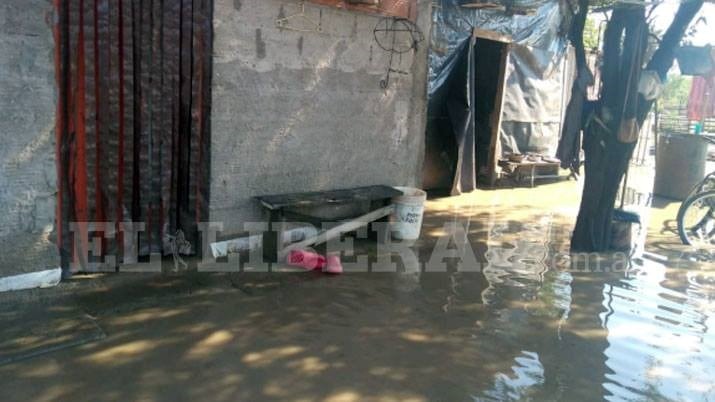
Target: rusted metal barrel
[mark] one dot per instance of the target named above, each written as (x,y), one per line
(679,164)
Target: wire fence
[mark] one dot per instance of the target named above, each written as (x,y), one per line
(676,120)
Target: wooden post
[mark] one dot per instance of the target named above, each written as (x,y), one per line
(495,118)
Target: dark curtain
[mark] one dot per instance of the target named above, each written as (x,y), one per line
(452,100)
(132,122)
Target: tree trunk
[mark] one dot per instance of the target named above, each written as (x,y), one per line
(663,57)
(609,137)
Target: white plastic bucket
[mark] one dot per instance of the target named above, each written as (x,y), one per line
(406,220)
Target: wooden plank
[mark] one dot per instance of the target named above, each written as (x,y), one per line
(492,35)
(331,233)
(538,164)
(495,119)
(317,198)
(392,8)
(511,9)
(485,5)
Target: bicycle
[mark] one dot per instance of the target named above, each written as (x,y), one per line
(696,215)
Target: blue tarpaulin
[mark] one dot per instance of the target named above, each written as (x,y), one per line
(535,75)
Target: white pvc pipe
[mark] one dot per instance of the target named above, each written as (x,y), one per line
(40,279)
(243,244)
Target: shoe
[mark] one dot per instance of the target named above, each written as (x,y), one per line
(306,260)
(333,265)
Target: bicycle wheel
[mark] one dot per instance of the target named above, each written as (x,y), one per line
(696,220)
(706,184)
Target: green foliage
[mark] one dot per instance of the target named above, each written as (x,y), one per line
(675,93)
(590,35)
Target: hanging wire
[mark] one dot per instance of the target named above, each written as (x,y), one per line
(396,36)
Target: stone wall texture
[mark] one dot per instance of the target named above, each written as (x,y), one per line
(27,142)
(303,110)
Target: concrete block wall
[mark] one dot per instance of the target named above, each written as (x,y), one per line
(27,142)
(304,111)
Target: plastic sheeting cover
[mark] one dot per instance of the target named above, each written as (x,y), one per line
(534,100)
(534,93)
(453,24)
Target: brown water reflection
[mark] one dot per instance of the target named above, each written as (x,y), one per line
(586,328)
(533,324)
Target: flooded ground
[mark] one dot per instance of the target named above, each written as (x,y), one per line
(530,323)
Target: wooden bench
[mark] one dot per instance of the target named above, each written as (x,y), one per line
(531,171)
(280,206)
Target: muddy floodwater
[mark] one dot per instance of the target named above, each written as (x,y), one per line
(530,323)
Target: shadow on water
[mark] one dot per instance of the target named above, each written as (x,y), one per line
(533,322)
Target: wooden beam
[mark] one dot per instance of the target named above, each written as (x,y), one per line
(485,5)
(511,9)
(393,8)
(495,118)
(492,35)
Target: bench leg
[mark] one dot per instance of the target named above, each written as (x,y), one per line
(272,238)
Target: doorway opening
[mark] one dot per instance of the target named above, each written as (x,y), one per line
(464,116)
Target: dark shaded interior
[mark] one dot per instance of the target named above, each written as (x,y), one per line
(451,116)
(487,65)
